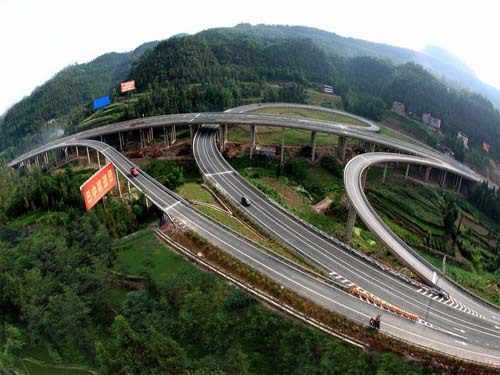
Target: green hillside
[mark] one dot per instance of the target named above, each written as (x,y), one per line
(220,68)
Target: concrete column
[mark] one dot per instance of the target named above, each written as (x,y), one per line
(98,159)
(88,155)
(66,153)
(407,171)
(147,201)
(221,138)
(121,142)
(191,133)
(351,220)
(459,184)
(165,144)
(141,138)
(443,183)
(252,139)
(77,153)
(117,173)
(224,133)
(427,173)
(313,145)
(37,163)
(129,192)
(282,155)
(373,147)
(363,179)
(173,137)
(444,265)
(379,250)
(385,173)
(341,148)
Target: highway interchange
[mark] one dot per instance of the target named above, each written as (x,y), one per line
(462,326)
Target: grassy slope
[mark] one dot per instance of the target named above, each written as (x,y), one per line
(142,252)
(413,206)
(132,249)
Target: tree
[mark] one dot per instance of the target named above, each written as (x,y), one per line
(450,217)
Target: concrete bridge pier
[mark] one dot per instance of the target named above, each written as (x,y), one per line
(165,139)
(427,173)
(341,147)
(98,159)
(351,220)
(173,135)
(385,173)
(117,173)
(443,182)
(407,171)
(252,139)
(313,145)
(121,141)
(459,184)
(282,154)
(88,156)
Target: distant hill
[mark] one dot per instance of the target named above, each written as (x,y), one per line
(437,60)
(223,67)
(74,86)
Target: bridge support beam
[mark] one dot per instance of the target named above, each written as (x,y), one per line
(191,134)
(165,137)
(252,139)
(351,220)
(117,173)
(443,181)
(427,173)
(173,135)
(313,145)
(121,141)
(385,173)
(282,154)
(459,184)
(407,171)
(341,147)
(222,137)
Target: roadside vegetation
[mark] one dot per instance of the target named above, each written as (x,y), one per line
(85,292)
(434,222)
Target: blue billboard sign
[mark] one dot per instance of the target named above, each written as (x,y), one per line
(101,102)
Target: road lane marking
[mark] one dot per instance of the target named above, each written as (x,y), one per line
(217,173)
(461,342)
(171,206)
(195,117)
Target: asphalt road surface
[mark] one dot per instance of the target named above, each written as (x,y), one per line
(463,327)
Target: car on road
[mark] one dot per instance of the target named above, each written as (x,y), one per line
(134,172)
(245,201)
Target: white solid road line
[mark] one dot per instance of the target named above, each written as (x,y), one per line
(217,173)
(171,206)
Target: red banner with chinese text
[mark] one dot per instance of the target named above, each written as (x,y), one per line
(98,185)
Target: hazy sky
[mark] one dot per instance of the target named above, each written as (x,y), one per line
(39,38)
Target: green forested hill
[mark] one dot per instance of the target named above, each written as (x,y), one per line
(220,68)
(33,119)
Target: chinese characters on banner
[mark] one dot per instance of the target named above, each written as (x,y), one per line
(127,86)
(98,185)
